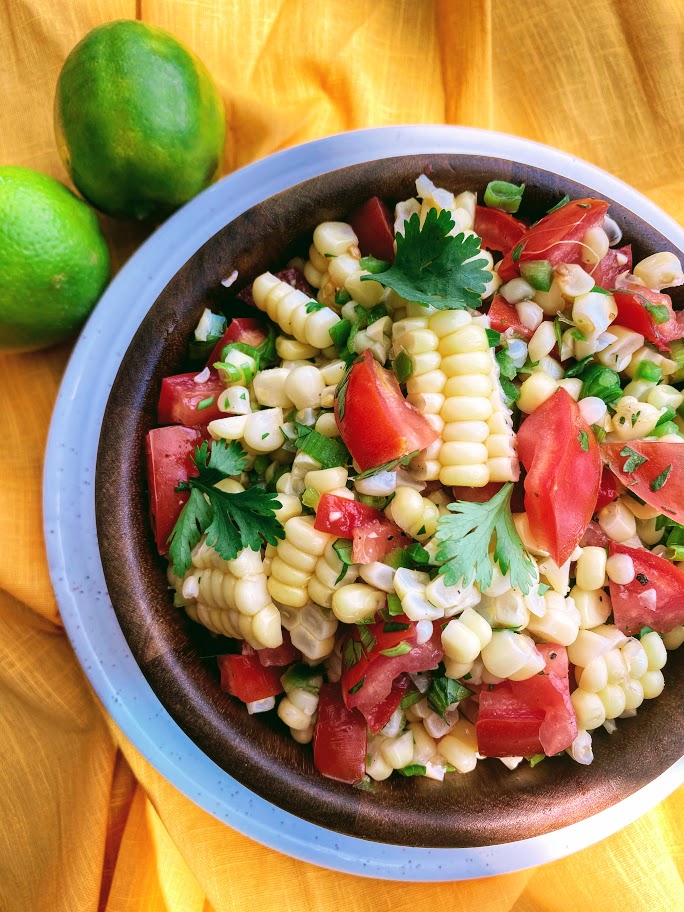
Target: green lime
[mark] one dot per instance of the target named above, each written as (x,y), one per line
(54,262)
(139,121)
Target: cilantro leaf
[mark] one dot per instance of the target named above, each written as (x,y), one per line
(190,526)
(464,543)
(230,459)
(434,267)
(634,460)
(231,521)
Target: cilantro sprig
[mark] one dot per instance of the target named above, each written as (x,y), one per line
(465,538)
(231,521)
(435,268)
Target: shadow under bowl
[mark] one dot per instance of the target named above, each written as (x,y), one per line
(488,806)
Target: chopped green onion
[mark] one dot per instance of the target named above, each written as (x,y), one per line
(413,769)
(539,274)
(402,366)
(668,415)
(397,558)
(398,650)
(577,368)
(516,253)
(662,430)
(537,759)
(394,604)
(647,370)
(559,204)
(342,297)
(493,337)
(417,554)
(597,288)
(677,355)
(374,500)
(659,312)
(601,382)
(300,677)
(205,403)
(503,195)
(329,451)
(311,498)
(411,699)
(314,306)
(339,333)
(211,327)
(373,264)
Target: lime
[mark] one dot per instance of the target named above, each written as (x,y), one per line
(139,121)
(54,262)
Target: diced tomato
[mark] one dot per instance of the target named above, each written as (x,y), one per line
(594,537)
(523,718)
(499,230)
(279,656)
(503,316)
(339,739)
(241,329)
(654,598)
(246,678)
(607,490)
(373,534)
(563,462)
(607,271)
(180,396)
(372,224)
(168,451)
(292,276)
(633,314)
(556,237)
(380,716)
(376,672)
(377,424)
(662,459)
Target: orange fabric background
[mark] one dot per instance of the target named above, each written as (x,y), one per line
(85,823)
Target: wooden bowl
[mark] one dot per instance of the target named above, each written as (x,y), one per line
(491,805)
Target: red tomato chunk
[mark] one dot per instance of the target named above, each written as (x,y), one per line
(606,272)
(241,329)
(607,489)
(563,463)
(536,716)
(503,316)
(373,534)
(372,224)
(662,470)
(498,230)
(180,397)
(654,598)
(168,451)
(633,313)
(557,237)
(378,425)
(246,678)
(339,738)
(280,656)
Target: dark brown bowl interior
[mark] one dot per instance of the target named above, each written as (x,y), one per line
(488,806)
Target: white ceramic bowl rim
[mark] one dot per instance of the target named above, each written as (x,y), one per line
(70,530)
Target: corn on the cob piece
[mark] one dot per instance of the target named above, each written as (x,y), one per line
(326,578)
(231,597)
(295,561)
(287,307)
(312,629)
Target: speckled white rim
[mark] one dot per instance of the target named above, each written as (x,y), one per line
(69,513)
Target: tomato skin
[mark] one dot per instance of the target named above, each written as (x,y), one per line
(563,479)
(669,499)
(383,712)
(482,495)
(246,678)
(373,534)
(379,672)
(378,424)
(556,237)
(180,396)
(339,738)
(372,224)
(607,489)
(241,329)
(168,451)
(607,271)
(503,316)
(523,718)
(634,607)
(291,275)
(499,230)
(632,314)
(279,656)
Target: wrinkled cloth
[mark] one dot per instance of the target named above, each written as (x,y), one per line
(85,822)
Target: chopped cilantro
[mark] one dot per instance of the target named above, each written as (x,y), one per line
(583,438)
(314,306)
(444,692)
(435,268)
(634,460)
(658,482)
(388,466)
(516,253)
(398,650)
(464,540)
(411,699)
(394,604)
(356,687)
(642,578)
(413,769)
(507,368)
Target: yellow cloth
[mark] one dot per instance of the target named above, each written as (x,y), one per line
(85,823)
